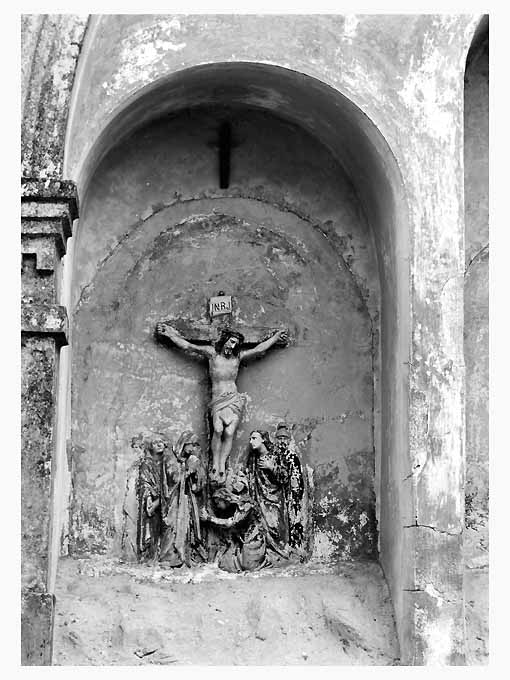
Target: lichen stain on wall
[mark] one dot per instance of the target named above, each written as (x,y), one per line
(38,360)
(52,46)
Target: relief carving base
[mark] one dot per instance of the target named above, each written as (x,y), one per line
(256,517)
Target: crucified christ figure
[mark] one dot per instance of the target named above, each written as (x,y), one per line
(226,406)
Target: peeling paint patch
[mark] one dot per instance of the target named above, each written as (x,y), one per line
(434,593)
(437,635)
(324,545)
(142,52)
(350,25)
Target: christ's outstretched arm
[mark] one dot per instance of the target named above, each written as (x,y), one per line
(172,334)
(262,347)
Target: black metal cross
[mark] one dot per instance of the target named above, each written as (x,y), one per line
(224,148)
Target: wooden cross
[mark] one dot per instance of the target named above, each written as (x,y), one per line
(207,334)
(224,143)
(224,147)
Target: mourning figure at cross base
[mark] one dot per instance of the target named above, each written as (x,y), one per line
(294,486)
(149,491)
(267,478)
(183,481)
(246,544)
(227,404)
(235,519)
(251,519)
(131,506)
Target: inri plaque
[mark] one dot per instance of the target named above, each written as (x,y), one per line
(219,305)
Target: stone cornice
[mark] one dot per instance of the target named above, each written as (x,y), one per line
(44,319)
(51,191)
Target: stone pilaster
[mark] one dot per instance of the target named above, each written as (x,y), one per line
(47,212)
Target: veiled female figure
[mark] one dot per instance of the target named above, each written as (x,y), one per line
(182,484)
(267,479)
(149,496)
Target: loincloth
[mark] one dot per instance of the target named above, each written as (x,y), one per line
(232,400)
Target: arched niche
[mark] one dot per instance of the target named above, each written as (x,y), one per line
(371,175)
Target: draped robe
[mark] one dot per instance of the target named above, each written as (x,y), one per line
(183,481)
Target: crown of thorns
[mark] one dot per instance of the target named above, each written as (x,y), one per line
(226,334)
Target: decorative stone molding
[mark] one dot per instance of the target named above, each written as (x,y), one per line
(50,191)
(48,209)
(44,319)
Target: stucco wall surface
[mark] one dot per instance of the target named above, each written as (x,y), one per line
(38,359)
(50,49)
(476,284)
(157,238)
(374,60)
(476,346)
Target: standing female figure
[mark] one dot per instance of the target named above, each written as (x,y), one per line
(267,479)
(182,484)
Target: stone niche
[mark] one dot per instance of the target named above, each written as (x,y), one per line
(289,241)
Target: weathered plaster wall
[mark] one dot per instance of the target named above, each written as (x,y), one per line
(39,359)
(476,344)
(158,237)
(50,49)
(51,46)
(368,58)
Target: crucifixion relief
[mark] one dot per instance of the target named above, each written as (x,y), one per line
(241,516)
(227,404)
